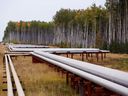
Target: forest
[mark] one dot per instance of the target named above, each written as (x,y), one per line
(97,26)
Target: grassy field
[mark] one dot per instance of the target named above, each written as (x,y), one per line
(115,61)
(38,79)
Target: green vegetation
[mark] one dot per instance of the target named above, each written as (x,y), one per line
(112,60)
(118,25)
(63,45)
(28,32)
(96,26)
(91,22)
(116,47)
(120,64)
(67,25)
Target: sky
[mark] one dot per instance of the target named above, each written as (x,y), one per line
(43,10)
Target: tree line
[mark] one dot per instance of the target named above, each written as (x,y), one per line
(70,28)
(118,25)
(96,26)
(34,32)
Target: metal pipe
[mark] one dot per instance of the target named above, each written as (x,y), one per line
(9,81)
(16,79)
(113,75)
(98,80)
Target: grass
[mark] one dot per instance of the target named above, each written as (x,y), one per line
(115,61)
(2,86)
(120,64)
(40,80)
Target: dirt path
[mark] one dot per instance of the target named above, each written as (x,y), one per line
(2,50)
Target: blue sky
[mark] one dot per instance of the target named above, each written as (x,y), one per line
(43,10)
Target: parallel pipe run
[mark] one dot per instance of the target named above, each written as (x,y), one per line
(9,81)
(16,79)
(123,90)
(27,48)
(113,75)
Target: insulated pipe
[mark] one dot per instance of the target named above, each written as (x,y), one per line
(9,81)
(98,80)
(59,50)
(16,79)
(113,75)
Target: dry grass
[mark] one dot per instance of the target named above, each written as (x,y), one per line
(115,61)
(37,79)
(2,50)
(40,80)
